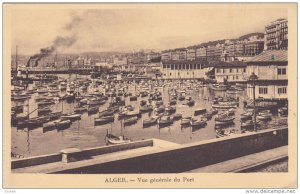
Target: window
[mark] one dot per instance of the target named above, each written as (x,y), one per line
(281,71)
(282,90)
(218,70)
(237,77)
(230,70)
(170,74)
(263,90)
(244,70)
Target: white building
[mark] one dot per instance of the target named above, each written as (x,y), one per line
(234,71)
(183,70)
(271,67)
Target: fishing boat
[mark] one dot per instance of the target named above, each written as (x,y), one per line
(63,124)
(172,102)
(218,87)
(104,120)
(43,110)
(200,122)
(32,122)
(146,108)
(226,133)
(186,121)
(246,115)
(264,115)
(92,109)
(18,108)
(130,121)
(170,109)
(224,106)
(224,119)
(106,113)
(80,110)
(112,139)
(230,112)
(207,115)
(53,116)
(177,116)
(133,98)
(143,102)
(50,125)
(181,98)
(45,103)
(164,121)
(149,122)
(134,113)
(199,111)
(71,117)
(189,101)
(248,124)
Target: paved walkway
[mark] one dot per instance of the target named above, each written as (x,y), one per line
(245,162)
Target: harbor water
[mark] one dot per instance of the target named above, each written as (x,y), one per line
(84,134)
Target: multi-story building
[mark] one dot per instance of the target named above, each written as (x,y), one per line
(234,71)
(214,52)
(175,56)
(276,35)
(201,54)
(271,67)
(183,69)
(182,54)
(166,55)
(191,55)
(253,48)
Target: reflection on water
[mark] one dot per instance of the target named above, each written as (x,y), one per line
(83,133)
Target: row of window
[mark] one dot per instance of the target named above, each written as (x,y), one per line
(280,90)
(242,70)
(281,71)
(183,66)
(179,73)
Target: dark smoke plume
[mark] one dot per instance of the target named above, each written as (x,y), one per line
(44,52)
(59,41)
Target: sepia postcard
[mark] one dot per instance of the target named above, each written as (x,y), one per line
(150,95)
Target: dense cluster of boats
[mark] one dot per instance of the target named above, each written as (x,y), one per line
(90,96)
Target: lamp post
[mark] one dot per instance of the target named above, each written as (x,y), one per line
(253,78)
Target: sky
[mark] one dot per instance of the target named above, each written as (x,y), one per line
(129,29)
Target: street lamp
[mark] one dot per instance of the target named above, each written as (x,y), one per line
(253,78)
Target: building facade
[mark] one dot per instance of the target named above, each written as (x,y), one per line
(183,70)
(191,55)
(253,48)
(166,56)
(234,71)
(271,67)
(276,35)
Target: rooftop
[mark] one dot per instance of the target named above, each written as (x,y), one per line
(270,56)
(227,64)
(184,62)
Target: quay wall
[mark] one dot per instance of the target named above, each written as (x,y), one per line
(190,156)
(37,160)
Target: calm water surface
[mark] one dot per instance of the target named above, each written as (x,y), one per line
(83,133)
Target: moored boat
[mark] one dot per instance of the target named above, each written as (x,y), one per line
(103,120)
(112,139)
(150,121)
(130,121)
(224,119)
(164,121)
(72,117)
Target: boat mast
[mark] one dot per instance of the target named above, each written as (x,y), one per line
(16,57)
